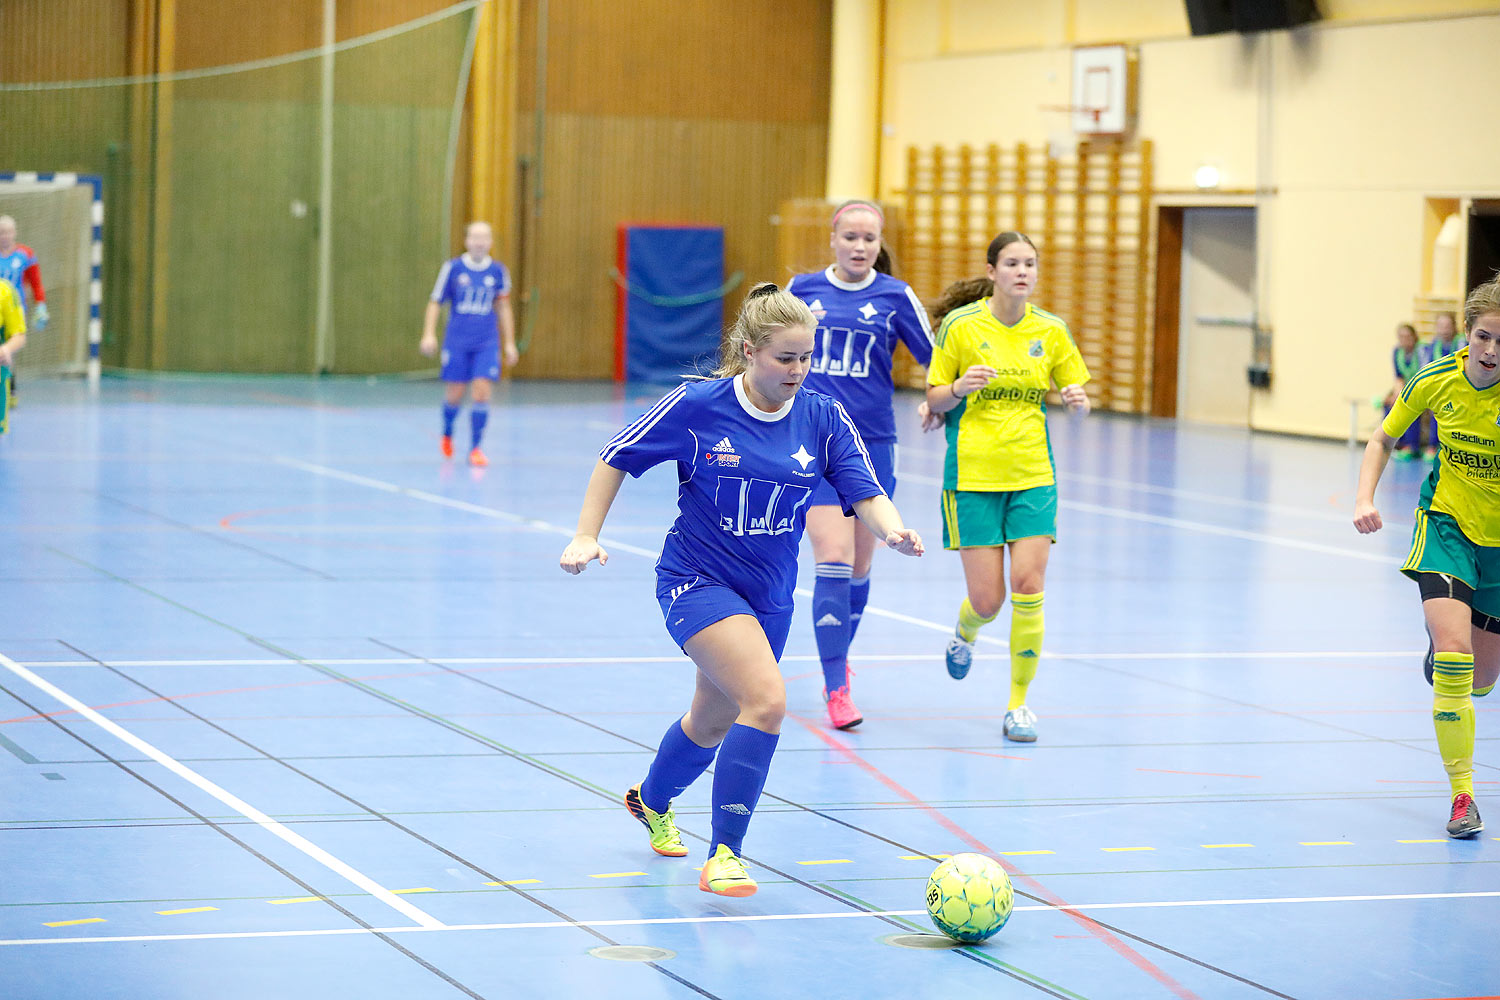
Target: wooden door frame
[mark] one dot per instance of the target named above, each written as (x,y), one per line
(1167,319)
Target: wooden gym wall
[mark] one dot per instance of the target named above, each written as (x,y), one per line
(657,111)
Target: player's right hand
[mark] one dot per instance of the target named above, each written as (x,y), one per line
(428,346)
(581,551)
(972,380)
(1366,518)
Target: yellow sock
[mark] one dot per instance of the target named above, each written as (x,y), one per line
(1025,644)
(1480,692)
(1453,717)
(969,621)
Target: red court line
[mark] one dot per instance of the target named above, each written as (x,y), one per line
(1120,948)
(981,753)
(1201,774)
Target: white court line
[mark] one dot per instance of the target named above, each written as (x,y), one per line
(871,609)
(240,806)
(720,919)
(926,654)
(1200,526)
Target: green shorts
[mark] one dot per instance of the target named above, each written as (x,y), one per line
(974,520)
(4,399)
(1439,545)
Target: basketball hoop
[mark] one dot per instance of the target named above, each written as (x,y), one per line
(1091,112)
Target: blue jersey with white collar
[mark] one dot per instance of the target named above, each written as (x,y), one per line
(745,477)
(858,325)
(470,289)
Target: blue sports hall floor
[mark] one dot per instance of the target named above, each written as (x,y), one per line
(290,707)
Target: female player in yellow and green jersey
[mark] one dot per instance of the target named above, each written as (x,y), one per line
(1455,550)
(994,362)
(12,339)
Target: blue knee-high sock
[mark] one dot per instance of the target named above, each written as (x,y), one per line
(450,414)
(479,415)
(678,763)
(830,609)
(859,596)
(744,760)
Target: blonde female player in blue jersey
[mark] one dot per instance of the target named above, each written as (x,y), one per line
(480,326)
(861,313)
(749,450)
(1455,551)
(994,362)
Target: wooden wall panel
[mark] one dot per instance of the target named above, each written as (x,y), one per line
(602,171)
(756,60)
(47,40)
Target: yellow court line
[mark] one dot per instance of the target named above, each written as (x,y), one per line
(516,881)
(1117,849)
(616,874)
(298,899)
(1012,854)
(402,892)
(75,923)
(829,861)
(1438,841)
(193,909)
(923,857)
(1326,843)
(1226,845)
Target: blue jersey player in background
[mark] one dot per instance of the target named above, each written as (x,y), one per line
(750,450)
(480,325)
(861,313)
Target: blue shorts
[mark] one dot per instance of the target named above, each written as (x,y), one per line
(882,457)
(691,604)
(466,362)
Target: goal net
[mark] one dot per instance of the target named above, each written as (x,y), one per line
(58,216)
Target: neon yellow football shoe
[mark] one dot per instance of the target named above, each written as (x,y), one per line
(725,875)
(662,826)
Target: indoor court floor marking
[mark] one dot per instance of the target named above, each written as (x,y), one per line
(735,918)
(240,806)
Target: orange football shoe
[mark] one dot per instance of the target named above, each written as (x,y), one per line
(447,446)
(477,459)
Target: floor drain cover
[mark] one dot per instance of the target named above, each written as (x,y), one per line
(920,941)
(632,953)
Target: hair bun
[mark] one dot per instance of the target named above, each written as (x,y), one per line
(764,288)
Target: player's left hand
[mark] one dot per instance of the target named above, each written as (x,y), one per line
(512,356)
(930,421)
(906,541)
(1076,399)
(39,317)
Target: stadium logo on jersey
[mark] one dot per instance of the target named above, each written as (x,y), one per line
(463,280)
(489,279)
(867,313)
(802,457)
(817,309)
(1035,348)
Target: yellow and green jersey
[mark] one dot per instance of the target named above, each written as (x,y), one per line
(1465,478)
(12,319)
(997,436)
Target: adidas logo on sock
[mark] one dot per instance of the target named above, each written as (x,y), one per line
(724,446)
(738,808)
(829,619)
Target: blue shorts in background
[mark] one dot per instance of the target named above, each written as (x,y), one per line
(466,362)
(882,457)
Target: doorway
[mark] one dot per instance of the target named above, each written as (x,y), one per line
(1205,314)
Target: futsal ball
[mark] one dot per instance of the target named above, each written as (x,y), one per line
(969,897)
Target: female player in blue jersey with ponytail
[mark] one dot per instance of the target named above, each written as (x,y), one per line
(480,325)
(750,450)
(861,312)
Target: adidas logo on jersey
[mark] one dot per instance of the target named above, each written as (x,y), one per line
(724,447)
(738,808)
(829,619)
(1447,407)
